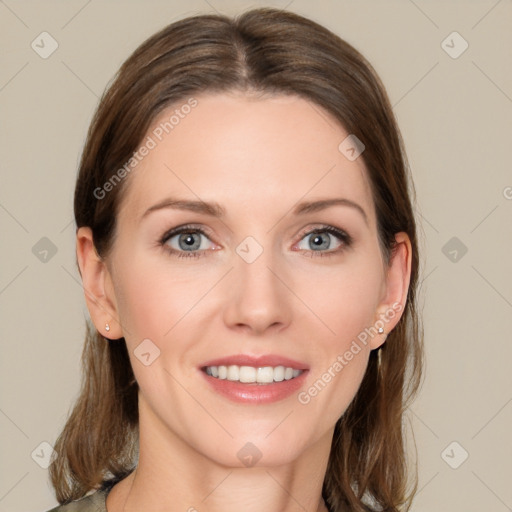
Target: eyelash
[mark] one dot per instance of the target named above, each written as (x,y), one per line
(342,236)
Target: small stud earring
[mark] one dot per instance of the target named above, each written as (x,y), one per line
(107,327)
(381,330)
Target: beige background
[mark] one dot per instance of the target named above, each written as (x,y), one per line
(455,115)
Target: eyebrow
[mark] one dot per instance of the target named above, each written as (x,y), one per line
(315,206)
(216,210)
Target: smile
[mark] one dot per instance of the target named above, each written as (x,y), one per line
(251,374)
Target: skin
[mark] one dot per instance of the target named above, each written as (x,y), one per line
(257,157)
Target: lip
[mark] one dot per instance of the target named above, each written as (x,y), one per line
(255,393)
(257,362)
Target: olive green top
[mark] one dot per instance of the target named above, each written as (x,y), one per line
(95,502)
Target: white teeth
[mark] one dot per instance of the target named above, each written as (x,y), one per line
(233,372)
(247,374)
(250,374)
(265,374)
(279,373)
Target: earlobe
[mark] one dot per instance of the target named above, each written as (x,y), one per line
(398,276)
(99,297)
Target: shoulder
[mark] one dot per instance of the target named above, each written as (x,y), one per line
(94,502)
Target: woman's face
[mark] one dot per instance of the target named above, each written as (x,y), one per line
(269,266)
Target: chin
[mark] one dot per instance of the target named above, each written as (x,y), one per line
(257,448)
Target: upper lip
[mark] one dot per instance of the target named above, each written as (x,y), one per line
(257,361)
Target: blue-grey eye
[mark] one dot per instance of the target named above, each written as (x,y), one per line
(190,241)
(320,241)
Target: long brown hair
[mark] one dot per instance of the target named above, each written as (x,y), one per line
(263,50)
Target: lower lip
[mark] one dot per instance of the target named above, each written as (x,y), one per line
(253,392)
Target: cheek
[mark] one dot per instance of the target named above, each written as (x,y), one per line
(343,297)
(153,297)
(159,302)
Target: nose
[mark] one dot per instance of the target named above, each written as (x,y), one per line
(258,299)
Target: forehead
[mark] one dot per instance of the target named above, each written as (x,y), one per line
(245,152)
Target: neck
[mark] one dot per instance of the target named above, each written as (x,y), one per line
(171,476)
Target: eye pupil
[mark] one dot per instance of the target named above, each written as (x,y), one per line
(321,241)
(188,240)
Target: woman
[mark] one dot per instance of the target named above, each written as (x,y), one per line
(248,252)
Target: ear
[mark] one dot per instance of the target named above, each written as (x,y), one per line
(396,287)
(97,285)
